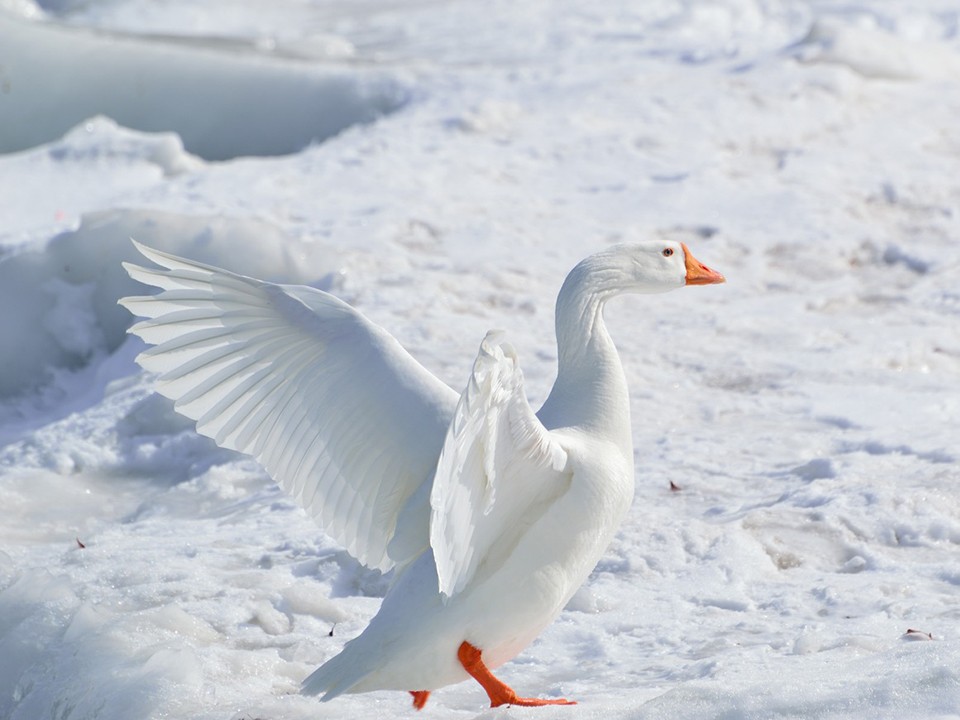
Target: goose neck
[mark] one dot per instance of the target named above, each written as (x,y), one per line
(590,391)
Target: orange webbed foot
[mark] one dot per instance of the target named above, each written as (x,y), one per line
(420,698)
(531,702)
(499,692)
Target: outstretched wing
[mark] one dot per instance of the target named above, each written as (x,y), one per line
(498,472)
(337,412)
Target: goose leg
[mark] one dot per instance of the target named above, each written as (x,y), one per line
(420,698)
(499,692)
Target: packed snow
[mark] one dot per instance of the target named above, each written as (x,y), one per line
(441,164)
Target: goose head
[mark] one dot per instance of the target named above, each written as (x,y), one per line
(644,267)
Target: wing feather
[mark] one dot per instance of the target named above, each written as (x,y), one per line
(330,404)
(498,471)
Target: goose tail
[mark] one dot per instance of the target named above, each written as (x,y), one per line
(335,677)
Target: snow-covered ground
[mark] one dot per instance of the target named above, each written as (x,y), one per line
(441,164)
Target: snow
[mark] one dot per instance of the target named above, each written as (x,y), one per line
(441,165)
(201,93)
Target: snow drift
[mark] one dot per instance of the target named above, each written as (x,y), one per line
(63,297)
(222,102)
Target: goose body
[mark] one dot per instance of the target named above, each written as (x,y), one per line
(491,515)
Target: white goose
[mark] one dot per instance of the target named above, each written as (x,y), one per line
(491,515)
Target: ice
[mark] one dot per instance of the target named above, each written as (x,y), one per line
(222,103)
(441,165)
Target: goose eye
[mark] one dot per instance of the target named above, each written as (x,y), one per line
(667,252)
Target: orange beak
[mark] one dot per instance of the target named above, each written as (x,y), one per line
(697,272)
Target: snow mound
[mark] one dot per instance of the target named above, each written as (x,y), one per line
(101,138)
(223,103)
(873,51)
(64,296)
